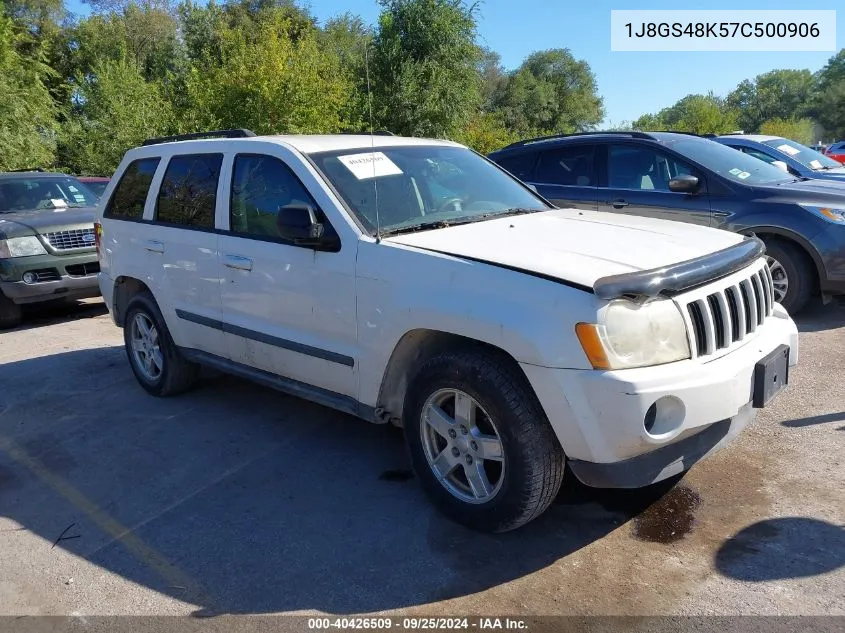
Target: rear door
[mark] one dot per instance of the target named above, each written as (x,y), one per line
(179,246)
(567,176)
(638,184)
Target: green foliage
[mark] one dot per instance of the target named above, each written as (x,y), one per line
(117,110)
(699,114)
(27,112)
(779,94)
(424,67)
(273,79)
(486,132)
(829,102)
(798,130)
(551,92)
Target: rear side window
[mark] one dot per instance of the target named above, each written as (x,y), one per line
(521,165)
(572,165)
(127,201)
(188,191)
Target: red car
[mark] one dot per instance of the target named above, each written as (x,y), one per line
(836,151)
(96,184)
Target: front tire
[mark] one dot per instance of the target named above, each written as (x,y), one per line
(10,313)
(155,360)
(480,442)
(792,275)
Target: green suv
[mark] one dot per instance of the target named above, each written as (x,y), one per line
(47,242)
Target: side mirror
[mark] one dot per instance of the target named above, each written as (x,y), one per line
(298,223)
(684,184)
(781,165)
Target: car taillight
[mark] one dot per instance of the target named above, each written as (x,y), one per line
(98,235)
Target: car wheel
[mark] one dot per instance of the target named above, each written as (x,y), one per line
(155,360)
(480,442)
(792,275)
(10,313)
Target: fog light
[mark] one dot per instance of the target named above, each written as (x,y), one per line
(664,418)
(30,278)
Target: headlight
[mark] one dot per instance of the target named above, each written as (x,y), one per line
(635,335)
(21,247)
(828,213)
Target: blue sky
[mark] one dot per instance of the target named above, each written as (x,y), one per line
(632,83)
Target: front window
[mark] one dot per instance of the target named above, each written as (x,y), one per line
(411,188)
(804,155)
(33,194)
(729,163)
(641,167)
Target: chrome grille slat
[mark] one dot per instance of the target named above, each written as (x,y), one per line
(728,315)
(70,239)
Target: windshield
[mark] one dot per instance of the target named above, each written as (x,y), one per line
(97,186)
(728,162)
(422,186)
(804,155)
(29,193)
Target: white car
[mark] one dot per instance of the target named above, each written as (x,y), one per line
(414,282)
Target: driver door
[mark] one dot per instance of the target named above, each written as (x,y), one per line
(287,309)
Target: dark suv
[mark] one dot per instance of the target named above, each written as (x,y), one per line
(688,178)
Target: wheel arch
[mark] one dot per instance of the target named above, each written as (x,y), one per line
(125,288)
(785,235)
(412,349)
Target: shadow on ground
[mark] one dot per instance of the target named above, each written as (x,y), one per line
(53,313)
(788,547)
(817,317)
(243,500)
(816,419)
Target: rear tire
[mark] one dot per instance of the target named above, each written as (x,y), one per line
(792,274)
(155,360)
(10,313)
(491,461)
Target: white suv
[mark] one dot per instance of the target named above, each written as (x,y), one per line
(414,282)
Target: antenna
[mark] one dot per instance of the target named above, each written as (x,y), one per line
(372,136)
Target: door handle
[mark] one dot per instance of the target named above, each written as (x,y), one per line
(237,262)
(154,246)
(619,203)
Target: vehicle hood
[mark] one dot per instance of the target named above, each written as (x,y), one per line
(574,246)
(45,220)
(820,190)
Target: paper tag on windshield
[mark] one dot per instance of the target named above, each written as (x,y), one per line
(735,171)
(743,175)
(815,164)
(369,165)
(58,202)
(788,149)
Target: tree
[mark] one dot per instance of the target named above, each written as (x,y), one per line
(347,37)
(779,94)
(699,114)
(493,79)
(486,132)
(798,130)
(27,112)
(829,102)
(551,92)
(117,109)
(425,79)
(269,82)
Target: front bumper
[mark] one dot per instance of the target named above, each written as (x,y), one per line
(58,277)
(599,416)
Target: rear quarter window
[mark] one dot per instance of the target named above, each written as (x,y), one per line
(130,195)
(521,165)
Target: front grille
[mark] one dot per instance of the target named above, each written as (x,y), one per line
(729,315)
(74,238)
(46,274)
(83,270)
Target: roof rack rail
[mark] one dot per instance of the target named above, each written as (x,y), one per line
(234,133)
(376,133)
(631,133)
(16,171)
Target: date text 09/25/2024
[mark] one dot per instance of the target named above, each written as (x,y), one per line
(415,623)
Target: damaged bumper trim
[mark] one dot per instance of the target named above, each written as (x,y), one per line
(674,279)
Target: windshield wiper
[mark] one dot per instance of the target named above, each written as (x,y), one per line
(413,228)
